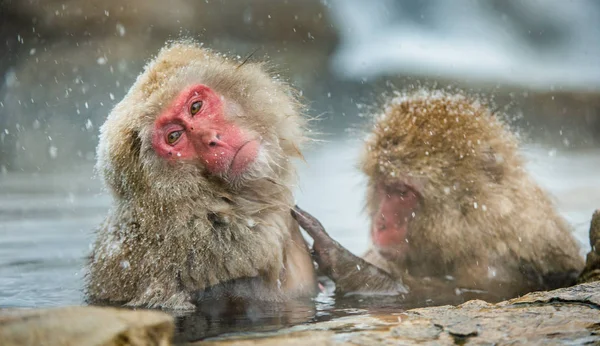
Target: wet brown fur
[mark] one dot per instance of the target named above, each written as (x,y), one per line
(173,229)
(482,219)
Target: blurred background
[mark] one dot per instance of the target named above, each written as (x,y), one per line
(64,65)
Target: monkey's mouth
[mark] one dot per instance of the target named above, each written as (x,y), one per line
(243,157)
(398,204)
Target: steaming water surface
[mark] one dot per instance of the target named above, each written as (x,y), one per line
(47,221)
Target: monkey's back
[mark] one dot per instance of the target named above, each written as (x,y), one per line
(538,244)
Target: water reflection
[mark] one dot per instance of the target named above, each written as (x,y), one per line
(249,317)
(219,318)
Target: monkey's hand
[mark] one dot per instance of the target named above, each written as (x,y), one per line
(350,273)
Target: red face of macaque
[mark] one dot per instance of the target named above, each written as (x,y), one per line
(194,127)
(397,205)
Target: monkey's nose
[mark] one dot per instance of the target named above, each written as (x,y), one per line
(211,138)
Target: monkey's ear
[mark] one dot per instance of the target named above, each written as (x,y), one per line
(493,164)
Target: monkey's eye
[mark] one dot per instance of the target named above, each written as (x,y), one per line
(399,189)
(172,137)
(195,107)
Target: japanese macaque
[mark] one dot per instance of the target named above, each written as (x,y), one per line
(197,157)
(451,207)
(591,272)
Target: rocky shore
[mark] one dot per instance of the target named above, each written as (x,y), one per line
(565,316)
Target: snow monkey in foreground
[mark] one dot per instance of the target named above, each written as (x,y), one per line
(452,209)
(197,157)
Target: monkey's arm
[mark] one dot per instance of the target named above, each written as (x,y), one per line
(353,274)
(350,273)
